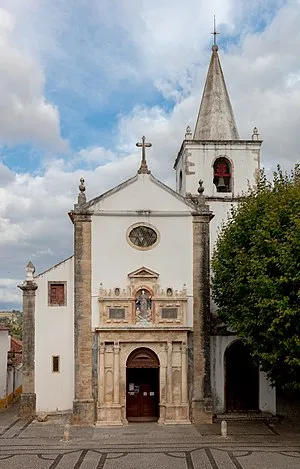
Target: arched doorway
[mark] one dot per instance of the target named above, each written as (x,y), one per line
(241,379)
(142,386)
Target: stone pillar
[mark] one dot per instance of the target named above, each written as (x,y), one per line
(101,384)
(28,396)
(183,373)
(201,397)
(169,374)
(83,405)
(116,373)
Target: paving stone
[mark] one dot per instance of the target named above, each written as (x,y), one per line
(32,445)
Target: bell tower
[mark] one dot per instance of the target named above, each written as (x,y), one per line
(227,165)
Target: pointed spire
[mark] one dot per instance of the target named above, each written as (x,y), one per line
(215,119)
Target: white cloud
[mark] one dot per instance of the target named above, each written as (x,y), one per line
(169,52)
(25,114)
(95,155)
(9,293)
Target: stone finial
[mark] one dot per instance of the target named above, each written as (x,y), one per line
(81,195)
(255,134)
(29,269)
(200,188)
(201,196)
(188,133)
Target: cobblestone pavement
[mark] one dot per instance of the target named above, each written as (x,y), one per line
(33,445)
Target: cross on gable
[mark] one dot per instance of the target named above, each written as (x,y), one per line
(144,168)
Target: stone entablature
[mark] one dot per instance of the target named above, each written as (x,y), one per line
(142,302)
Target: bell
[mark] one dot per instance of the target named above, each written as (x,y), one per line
(221,184)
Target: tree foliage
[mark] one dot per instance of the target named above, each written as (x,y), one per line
(256,282)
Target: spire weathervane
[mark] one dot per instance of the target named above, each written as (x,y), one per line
(215,33)
(144,168)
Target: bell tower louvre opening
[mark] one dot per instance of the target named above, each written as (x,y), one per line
(142,386)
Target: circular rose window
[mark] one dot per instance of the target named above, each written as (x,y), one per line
(142,236)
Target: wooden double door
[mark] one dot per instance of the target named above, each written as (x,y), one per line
(142,394)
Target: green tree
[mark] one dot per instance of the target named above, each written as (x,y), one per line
(256,281)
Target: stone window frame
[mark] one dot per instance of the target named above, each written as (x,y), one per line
(142,248)
(58,364)
(57,282)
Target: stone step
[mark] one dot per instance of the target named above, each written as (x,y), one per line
(246,417)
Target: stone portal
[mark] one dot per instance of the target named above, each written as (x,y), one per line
(142,386)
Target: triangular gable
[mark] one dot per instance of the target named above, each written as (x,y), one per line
(91,203)
(143,272)
(142,192)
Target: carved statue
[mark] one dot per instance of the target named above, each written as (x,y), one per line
(143,306)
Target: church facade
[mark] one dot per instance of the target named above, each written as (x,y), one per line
(125,330)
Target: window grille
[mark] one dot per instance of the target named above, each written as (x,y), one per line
(143,236)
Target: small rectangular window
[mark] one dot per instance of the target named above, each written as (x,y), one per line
(116,313)
(55,363)
(57,293)
(169,313)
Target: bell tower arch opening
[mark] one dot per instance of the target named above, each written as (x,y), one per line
(222,174)
(142,386)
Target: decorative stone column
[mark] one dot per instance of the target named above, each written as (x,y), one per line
(183,373)
(169,374)
(101,373)
(83,404)
(28,396)
(201,408)
(116,373)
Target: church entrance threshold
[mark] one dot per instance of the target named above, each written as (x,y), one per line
(142,386)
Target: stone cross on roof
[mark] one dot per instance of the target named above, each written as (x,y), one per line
(144,168)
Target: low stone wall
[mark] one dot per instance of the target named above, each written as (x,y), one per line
(289,407)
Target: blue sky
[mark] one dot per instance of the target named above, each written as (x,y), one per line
(82,82)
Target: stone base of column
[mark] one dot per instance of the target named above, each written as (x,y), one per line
(27,405)
(83,412)
(109,414)
(202,411)
(176,414)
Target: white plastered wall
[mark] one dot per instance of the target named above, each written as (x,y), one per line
(113,258)
(243,155)
(267,394)
(54,332)
(4,348)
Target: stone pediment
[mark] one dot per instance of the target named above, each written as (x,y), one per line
(143,273)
